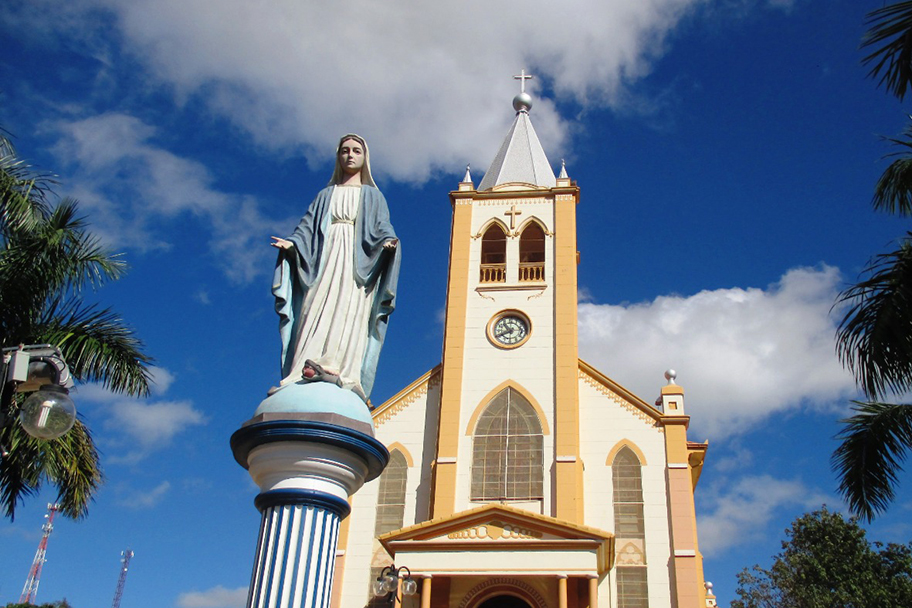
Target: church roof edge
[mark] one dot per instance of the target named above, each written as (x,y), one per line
(620,390)
(387,409)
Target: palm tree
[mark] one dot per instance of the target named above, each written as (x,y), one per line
(874,339)
(47,259)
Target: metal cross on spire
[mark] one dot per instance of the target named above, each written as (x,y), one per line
(522,78)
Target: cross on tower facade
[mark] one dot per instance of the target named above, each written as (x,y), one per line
(513,212)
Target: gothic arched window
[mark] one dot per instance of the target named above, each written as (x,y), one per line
(391,501)
(629,530)
(507,451)
(494,255)
(532,253)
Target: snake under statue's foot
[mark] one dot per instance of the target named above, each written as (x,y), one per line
(313,372)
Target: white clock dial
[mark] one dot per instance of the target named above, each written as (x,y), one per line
(509,329)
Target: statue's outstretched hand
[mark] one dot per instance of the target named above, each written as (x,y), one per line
(281,243)
(391,244)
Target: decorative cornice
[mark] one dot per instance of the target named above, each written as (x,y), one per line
(628,401)
(406,396)
(494,531)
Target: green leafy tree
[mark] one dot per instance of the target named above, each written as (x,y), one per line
(47,260)
(874,339)
(827,562)
(61,604)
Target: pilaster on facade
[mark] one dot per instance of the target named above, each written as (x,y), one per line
(687,562)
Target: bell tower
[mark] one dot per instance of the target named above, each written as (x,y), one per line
(511,323)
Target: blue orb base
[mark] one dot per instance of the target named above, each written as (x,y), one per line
(317,401)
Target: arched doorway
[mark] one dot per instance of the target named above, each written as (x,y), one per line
(504,601)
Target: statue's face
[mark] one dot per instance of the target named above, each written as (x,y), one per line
(351,156)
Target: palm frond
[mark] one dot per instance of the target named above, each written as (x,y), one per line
(868,460)
(893,192)
(97,345)
(874,339)
(38,265)
(70,463)
(889,42)
(23,193)
(20,471)
(73,257)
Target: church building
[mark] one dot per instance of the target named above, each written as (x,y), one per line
(521,476)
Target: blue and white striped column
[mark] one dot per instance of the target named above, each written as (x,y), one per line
(306,471)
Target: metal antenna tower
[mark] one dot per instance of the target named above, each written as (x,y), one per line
(125,564)
(30,590)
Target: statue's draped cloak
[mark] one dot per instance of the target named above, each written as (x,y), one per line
(299,269)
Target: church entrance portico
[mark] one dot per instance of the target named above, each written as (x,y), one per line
(496,551)
(504,591)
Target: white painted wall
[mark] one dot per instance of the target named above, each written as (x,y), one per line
(406,427)
(607,419)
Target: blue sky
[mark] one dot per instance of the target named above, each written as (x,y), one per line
(726,153)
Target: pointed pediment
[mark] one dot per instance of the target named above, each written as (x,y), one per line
(491,528)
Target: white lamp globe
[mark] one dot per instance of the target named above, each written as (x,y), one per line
(409,586)
(48,413)
(379,588)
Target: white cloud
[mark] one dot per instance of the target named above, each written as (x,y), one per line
(153,423)
(202,296)
(141,426)
(741,355)
(132,187)
(740,513)
(144,499)
(428,84)
(161,380)
(217,597)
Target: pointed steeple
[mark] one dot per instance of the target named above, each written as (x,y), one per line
(521,158)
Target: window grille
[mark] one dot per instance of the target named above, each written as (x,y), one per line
(632,590)
(508,450)
(629,530)
(391,500)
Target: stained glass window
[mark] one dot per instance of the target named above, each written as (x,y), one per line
(507,454)
(629,530)
(391,502)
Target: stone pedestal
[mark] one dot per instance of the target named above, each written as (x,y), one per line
(308,448)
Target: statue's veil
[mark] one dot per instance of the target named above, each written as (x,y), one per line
(366,178)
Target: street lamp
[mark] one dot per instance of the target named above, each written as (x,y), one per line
(48,413)
(387,583)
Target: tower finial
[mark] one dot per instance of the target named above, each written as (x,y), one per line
(522,78)
(523,101)
(563,173)
(468,175)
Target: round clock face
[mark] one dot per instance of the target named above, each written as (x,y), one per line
(509,329)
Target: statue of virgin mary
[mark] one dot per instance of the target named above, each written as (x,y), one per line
(335,279)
